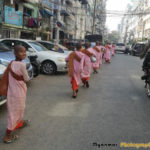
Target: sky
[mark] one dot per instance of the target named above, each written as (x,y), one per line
(119,5)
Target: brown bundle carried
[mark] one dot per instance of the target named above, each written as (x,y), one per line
(72,56)
(87,52)
(5,80)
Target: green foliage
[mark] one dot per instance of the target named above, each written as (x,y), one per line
(113,37)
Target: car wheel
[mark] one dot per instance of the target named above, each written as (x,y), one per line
(133,54)
(49,68)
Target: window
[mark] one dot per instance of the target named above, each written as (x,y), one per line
(47,45)
(38,46)
(9,43)
(120,44)
(22,44)
(28,11)
(16,7)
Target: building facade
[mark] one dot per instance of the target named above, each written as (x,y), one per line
(51,19)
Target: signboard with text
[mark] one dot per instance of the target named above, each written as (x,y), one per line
(13,17)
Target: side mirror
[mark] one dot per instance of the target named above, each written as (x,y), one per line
(31,50)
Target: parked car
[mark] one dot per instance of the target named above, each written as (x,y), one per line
(7,55)
(128,49)
(55,47)
(138,48)
(2,69)
(120,47)
(50,61)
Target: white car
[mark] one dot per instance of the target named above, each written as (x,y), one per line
(51,61)
(120,47)
(2,98)
(55,47)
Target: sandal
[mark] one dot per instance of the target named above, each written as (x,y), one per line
(87,84)
(74,96)
(25,124)
(13,139)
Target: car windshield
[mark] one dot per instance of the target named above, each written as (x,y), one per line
(3,48)
(120,44)
(137,46)
(49,46)
(38,46)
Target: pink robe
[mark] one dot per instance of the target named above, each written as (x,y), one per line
(78,67)
(101,55)
(97,55)
(107,54)
(86,72)
(16,95)
(113,50)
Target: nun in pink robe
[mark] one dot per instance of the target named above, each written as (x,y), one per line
(86,72)
(16,95)
(77,69)
(101,54)
(97,55)
(107,54)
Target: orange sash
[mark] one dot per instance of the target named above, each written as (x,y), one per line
(95,48)
(87,52)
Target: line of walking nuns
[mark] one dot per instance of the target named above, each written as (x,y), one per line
(84,59)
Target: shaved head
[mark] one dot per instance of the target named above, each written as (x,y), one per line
(17,48)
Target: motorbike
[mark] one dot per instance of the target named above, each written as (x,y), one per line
(146,78)
(35,64)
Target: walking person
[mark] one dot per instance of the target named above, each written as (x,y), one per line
(98,56)
(16,94)
(86,72)
(101,47)
(113,50)
(107,54)
(75,67)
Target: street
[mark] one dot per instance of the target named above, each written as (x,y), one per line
(114,109)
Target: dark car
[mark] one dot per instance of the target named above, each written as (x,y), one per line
(137,49)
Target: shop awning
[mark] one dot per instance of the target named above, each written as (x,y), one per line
(45,12)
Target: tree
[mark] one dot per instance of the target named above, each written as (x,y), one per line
(114,37)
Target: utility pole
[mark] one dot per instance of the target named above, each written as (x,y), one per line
(58,19)
(93,27)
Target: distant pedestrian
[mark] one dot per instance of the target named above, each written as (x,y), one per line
(107,54)
(16,94)
(113,50)
(101,48)
(96,64)
(86,72)
(75,67)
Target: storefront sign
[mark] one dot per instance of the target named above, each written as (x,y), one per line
(13,17)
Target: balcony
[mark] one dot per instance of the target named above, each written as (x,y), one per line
(30,22)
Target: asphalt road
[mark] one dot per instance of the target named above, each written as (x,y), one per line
(114,109)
